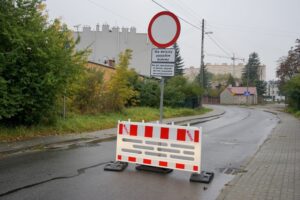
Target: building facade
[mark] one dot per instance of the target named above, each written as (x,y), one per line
(223,69)
(191,72)
(235,95)
(107,43)
(108,71)
(273,92)
(235,70)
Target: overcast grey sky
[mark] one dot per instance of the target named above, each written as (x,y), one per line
(268,27)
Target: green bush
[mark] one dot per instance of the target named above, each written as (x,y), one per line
(181,93)
(90,97)
(149,91)
(174,95)
(37,62)
(293,111)
(292,90)
(121,90)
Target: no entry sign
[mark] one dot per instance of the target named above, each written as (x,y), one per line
(164,29)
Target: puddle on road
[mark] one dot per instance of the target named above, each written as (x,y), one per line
(226,142)
(71,145)
(231,170)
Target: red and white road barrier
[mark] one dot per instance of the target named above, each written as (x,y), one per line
(159,145)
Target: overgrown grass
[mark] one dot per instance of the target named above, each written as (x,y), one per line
(85,123)
(294,112)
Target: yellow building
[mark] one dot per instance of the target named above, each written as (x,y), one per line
(107,70)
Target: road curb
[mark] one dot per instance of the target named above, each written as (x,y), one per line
(200,119)
(95,139)
(270,111)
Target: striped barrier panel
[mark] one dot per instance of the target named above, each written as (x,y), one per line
(159,145)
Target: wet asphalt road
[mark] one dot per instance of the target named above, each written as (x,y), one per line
(77,173)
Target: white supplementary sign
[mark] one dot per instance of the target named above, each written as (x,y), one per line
(163,55)
(162,69)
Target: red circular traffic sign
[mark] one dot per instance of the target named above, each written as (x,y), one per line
(164,29)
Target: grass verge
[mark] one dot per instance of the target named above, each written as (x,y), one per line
(86,123)
(294,112)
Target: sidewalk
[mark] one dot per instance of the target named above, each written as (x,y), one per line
(59,141)
(274,171)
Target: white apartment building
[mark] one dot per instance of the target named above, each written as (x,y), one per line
(107,43)
(273,91)
(191,72)
(224,68)
(235,70)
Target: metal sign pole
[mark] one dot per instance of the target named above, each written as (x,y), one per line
(162,84)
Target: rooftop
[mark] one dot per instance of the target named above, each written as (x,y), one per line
(241,90)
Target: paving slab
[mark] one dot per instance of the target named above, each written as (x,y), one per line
(274,171)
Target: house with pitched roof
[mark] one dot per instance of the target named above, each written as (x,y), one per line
(108,69)
(239,95)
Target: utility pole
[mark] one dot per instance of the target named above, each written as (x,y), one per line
(233,58)
(202,61)
(161,104)
(248,73)
(233,66)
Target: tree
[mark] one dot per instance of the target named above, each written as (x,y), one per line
(38,62)
(207,78)
(149,91)
(174,95)
(90,97)
(178,60)
(231,81)
(121,91)
(181,93)
(261,87)
(292,90)
(251,70)
(289,66)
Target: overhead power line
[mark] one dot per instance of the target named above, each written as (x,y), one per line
(222,56)
(114,13)
(218,45)
(257,30)
(190,10)
(186,21)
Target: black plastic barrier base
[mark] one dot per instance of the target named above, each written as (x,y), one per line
(116,166)
(203,177)
(153,169)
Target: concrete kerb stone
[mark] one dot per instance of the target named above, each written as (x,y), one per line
(271,111)
(197,120)
(53,142)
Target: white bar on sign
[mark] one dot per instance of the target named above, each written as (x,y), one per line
(163,55)
(162,69)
